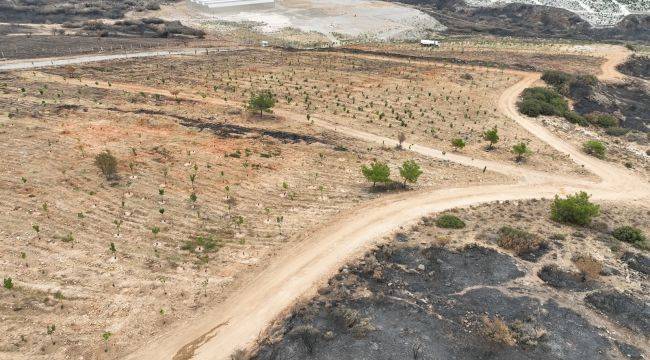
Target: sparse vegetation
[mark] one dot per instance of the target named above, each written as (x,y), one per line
(519,241)
(495,329)
(589,267)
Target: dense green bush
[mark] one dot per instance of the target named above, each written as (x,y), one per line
(574,209)
(616,131)
(575,118)
(448,221)
(594,148)
(542,101)
(629,234)
(602,120)
(558,80)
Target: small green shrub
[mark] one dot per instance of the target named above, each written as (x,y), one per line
(202,244)
(448,221)
(629,234)
(602,120)
(458,143)
(7,283)
(594,148)
(616,131)
(575,118)
(574,209)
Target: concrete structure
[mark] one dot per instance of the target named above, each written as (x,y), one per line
(223,6)
(434,43)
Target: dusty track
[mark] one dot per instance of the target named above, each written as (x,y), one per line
(299,271)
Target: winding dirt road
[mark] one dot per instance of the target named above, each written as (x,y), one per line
(299,271)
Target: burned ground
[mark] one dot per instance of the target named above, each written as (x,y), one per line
(638,66)
(623,308)
(35,46)
(59,11)
(452,294)
(629,101)
(524,20)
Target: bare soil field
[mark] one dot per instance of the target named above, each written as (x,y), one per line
(431,293)
(208,195)
(383,96)
(532,54)
(138,253)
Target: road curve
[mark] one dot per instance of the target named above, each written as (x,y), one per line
(297,272)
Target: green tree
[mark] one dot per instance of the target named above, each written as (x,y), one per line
(521,150)
(410,171)
(492,136)
(262,101)
(574,209)
(378,172)
(107,163)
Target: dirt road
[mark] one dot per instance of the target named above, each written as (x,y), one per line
(49,62)
(299,271)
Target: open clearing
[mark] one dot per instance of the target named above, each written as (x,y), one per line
(220,220)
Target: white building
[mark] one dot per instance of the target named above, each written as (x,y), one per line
(230,5)
(434,43)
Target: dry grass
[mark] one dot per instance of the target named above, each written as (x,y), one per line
(589,267)
(498,331)
(519,241)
